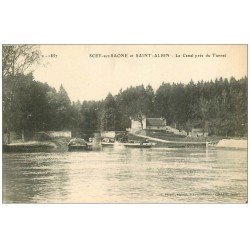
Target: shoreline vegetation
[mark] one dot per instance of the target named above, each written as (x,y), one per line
(217,107)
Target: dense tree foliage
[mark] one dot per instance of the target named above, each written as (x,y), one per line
(110,114)
(18,59)
(219,107)
(135,103)
(34,105)
(89,119)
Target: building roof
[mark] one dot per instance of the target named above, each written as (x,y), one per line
(157,122)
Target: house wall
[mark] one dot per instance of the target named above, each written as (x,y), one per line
(156,128)
(175,131)
(137,125)
(109,134)
(59,133)
(198,134)
(144,123)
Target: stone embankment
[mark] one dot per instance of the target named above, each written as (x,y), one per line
(232,143)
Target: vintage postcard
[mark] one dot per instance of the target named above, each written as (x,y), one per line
(124,123)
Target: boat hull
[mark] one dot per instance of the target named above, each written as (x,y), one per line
(107,144)
(137,145)
(128,144)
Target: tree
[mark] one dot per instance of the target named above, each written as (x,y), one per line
(89,116)
(76,114)
(170,101)
(16,60)
(162,101)
(111,117)
(33,106)
(136,103)
(219,107)
(63,110)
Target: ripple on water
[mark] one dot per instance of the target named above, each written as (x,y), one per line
(126,175)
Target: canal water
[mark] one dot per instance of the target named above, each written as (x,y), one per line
(122,175)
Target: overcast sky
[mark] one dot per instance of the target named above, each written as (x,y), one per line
(91,78)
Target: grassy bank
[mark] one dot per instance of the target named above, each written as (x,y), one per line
(162,139)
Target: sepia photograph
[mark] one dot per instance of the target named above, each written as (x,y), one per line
(124,123)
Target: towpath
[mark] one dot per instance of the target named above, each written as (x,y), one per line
(165,141)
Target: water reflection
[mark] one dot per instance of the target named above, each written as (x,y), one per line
(33,178)
(126,175)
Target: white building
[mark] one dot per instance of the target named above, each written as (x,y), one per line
(149,123)
(198,132)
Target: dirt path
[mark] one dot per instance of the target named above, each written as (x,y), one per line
(165,141)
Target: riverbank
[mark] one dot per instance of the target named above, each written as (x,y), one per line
(59,144)
(32,146)
(232,144)
(164,139)
(167,143)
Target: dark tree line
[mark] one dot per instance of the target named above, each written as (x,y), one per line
(219,107)
(34,105)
